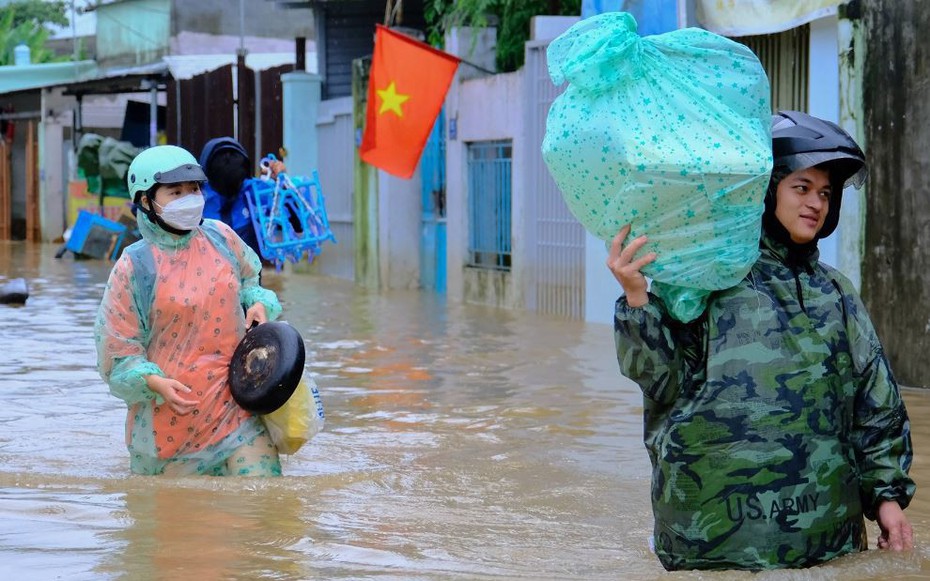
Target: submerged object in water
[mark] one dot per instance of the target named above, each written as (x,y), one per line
(14,292)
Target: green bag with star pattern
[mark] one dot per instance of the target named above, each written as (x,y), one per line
(669,133)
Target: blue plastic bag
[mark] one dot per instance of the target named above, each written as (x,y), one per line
(669,133)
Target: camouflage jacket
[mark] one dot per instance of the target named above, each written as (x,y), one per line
(773,422)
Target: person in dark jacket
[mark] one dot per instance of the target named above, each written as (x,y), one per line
(773,422)
(227,166)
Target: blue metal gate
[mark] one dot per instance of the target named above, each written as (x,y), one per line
(433,228)
(489,204)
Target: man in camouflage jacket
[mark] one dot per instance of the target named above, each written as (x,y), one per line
(773,422)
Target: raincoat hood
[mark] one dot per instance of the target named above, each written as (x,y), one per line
(794,256)
(218,144)
(225,173)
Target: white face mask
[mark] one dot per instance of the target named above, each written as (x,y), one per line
(184,213)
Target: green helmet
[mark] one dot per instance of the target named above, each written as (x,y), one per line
(162,164)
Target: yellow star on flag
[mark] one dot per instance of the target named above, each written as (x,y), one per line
(391,100)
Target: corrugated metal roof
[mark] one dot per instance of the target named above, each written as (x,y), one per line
(15,78)
(119,79)
(184,67)
(87,77)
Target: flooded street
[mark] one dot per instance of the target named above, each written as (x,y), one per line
(460,442)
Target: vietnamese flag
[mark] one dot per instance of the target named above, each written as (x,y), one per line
(406,89)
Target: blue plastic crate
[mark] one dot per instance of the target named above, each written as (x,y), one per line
(96,236)
(289,216)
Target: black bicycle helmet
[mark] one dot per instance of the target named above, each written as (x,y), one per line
(800,141)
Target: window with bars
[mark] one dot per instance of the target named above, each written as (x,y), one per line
(785,57)
(489,204)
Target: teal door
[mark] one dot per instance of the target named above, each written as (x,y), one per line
(433,226)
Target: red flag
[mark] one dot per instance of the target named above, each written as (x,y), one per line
(406,89)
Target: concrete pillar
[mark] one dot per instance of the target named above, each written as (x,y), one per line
(853,47)
(302,96)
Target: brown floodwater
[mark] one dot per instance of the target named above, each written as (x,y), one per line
(461,442)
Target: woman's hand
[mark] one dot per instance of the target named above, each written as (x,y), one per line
(277,167)
(897,533)
(255,315)
(626,270)
(171,391)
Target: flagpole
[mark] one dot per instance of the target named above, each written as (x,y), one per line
(461,60)
(429,47)
(479,67)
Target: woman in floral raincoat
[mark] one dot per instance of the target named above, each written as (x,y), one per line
(176,305)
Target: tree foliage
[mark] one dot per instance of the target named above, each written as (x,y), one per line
(40,12)
(512,18)
(25,22)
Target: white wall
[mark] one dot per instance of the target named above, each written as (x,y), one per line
(399,209)
(600,288)
(336,131)
(482,109)
(477,46)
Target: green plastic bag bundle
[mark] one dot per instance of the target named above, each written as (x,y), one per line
(115,157)
(88,154)
(669,133)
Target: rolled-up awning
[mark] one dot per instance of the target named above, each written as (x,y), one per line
(752,17)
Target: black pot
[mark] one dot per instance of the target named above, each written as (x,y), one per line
(266,367)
